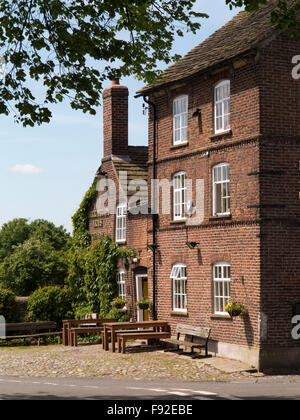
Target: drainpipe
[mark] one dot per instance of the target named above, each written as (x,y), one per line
(154,216)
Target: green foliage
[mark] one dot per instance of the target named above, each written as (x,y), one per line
(63,45)
(13,233)
(32,255)
(120,315)
(18,231)
(50,304)
(80,219)
(33,264)
(46,231)
(92,275)
(7,305)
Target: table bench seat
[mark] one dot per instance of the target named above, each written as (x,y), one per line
(123,337)
(83,330)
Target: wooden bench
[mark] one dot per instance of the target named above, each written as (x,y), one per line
(137,335)
(87,326)
(83,330)
(32,330)
(190,334)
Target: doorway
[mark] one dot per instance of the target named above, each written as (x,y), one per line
(142,291)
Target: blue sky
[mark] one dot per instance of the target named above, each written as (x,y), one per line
(45,171)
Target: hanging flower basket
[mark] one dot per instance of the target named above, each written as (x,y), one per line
(118,303)
(235,309)
(143,304)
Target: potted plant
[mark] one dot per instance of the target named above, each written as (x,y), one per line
(235,309)
(118,303)
(143,304)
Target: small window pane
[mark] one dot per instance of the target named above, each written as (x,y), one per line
(180,120)
(179,288)
(222,106)
(179,196)
(221,287)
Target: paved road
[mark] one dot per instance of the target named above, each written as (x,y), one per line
(131,389)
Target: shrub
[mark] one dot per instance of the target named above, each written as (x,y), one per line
(8,305)
(50,303)
(121,315)
(33,264)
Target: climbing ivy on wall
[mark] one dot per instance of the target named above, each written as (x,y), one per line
(92,275)
(92,268)
(81,218)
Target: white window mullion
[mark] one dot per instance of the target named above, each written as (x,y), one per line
(179,196)
(178,275)
(221,287)
(121,285)
(222,106)
(221,190)
(121,215)
(180,120)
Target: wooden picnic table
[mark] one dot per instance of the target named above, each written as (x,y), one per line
(111,329)
(67,325)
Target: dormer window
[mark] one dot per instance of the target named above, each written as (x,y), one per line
(180,120)
(222,106)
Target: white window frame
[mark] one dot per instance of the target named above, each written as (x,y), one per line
(179,196)
(221,103)
(221,177)
(178,274)
(221,285)
(121,219)
(121,284)
(180,119)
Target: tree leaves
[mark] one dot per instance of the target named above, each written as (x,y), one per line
(71,47)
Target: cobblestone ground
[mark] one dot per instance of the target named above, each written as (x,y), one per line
(92,361)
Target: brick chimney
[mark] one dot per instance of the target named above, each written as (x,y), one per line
(115,120)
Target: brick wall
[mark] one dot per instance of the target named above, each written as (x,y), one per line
(234,240)
(280,152)
(115,120)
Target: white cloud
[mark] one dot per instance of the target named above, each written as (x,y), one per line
(26,169)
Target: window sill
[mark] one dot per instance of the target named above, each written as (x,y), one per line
(121,242)
(179,145)
(219,316)
(175,313)
(217,136)
(221,217)
(178,222)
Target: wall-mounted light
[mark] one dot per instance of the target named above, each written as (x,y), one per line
(152,247)
(197,113)
(192,245)
(102,173)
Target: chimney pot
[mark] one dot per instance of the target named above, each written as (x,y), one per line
(115,120)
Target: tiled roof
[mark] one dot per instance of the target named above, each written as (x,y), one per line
(244,32)
(136,170)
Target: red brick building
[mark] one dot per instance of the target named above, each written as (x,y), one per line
(226,114)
